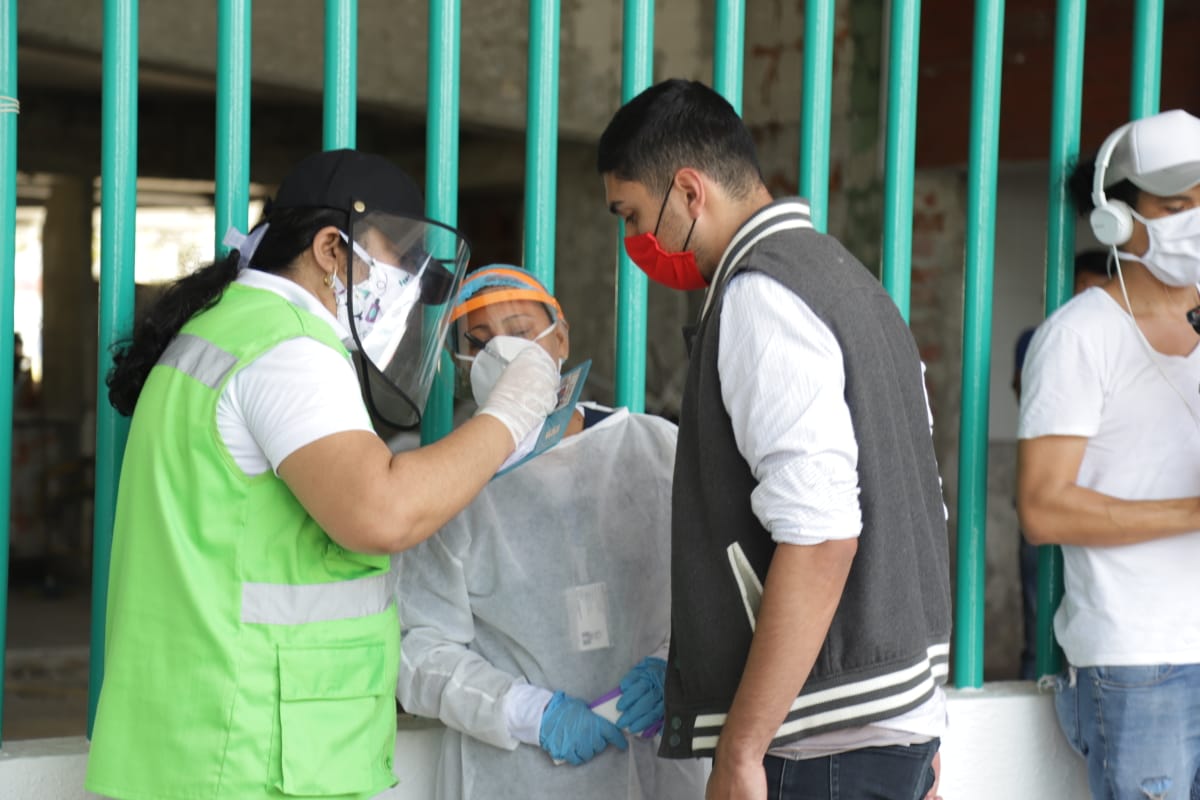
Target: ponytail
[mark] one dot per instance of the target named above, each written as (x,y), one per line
(290,233)
(133,358)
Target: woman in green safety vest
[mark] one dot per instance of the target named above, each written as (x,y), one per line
(252,641)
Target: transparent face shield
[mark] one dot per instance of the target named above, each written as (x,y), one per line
(403,273)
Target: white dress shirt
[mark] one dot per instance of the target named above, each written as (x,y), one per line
(783,385)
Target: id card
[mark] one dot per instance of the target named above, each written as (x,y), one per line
(587,610)
(570,385)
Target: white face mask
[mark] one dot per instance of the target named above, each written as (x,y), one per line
(382,303)
(1174,252)
(494,357)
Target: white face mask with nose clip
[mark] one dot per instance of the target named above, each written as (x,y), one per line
(486,368)
(1174,252)
(490,362)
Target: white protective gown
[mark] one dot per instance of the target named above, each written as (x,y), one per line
(484,604)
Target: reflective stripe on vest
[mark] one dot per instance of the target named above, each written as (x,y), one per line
(198,358)
(287,604)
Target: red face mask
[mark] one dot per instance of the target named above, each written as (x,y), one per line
(675,270)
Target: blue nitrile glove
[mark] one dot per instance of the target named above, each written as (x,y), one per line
(641,700)
(574,733)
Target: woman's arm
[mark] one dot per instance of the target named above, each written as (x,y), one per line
(371,501)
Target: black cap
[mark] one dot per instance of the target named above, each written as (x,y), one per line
(340,179)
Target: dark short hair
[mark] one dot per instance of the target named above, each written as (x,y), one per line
(1093,261)
(1079,188)
(677,124)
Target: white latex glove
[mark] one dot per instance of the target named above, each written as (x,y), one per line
(525,393)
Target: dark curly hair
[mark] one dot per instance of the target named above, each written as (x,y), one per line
(291,232)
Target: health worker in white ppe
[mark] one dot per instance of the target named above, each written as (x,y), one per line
(548,593)
(1109,466)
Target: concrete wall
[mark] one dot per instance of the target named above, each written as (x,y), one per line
(1003,743)
(393,51)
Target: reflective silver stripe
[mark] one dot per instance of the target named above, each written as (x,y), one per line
(199,358)
(286,604)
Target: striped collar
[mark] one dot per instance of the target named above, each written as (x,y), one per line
(787,214)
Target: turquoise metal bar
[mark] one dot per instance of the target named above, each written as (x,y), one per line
(118,219)
(729,50)
(637,70)
(1065,114)
(232,196)
(977,334)
(904,47)
(8,257)
(1147,58)
(541,139)
(1048,655)
(815,108)
(341,74)
(441,175)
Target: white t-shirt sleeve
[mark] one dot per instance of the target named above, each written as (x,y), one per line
(297,392)
(783,384)
(1061,389)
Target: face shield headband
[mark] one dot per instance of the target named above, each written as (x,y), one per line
(401,274)
(491,286)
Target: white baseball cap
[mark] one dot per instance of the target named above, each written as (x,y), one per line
(1158,154)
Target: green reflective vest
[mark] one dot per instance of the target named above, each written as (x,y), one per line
(248,655)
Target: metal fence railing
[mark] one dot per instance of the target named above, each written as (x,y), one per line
(119,200)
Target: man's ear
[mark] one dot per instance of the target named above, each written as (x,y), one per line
(694,188)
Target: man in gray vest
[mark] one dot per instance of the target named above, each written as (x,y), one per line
(810,589)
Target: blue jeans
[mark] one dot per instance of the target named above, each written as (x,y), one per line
(873,773)
(1137,727)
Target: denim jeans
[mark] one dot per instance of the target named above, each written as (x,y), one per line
(873,773)
(1137,727)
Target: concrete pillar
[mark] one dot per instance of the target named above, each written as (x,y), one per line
(69,300)
(68,395)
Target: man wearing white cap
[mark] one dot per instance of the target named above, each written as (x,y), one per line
(1109,466)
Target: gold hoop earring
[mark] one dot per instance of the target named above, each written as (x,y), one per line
(329,280)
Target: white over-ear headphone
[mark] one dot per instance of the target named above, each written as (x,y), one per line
(1112,220)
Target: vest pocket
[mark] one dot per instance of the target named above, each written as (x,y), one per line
(749,586)
(337,720)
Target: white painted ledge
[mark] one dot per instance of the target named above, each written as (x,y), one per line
(44,769)
(1003,743)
